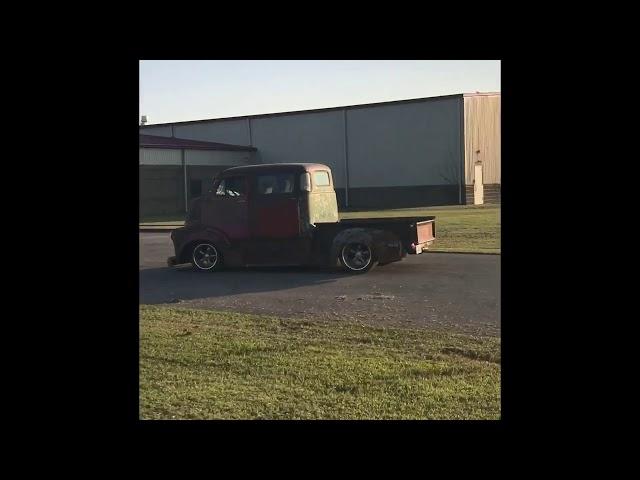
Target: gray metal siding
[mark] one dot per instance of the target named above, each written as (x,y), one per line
(403,154)
(235,132)
(388,145)
(218,158)
(308,137)
(161,189)
(405,145)
(159,156)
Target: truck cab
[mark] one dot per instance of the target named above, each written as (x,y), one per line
(287,214)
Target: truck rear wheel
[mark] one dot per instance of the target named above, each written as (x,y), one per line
(205,257)
(357,257)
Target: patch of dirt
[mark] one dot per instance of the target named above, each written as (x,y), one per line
(376,296)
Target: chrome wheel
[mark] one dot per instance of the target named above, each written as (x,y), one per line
(205,256)
(356,256)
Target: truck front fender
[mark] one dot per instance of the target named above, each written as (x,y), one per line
(184,237)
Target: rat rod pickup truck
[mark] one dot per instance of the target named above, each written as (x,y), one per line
(287,214)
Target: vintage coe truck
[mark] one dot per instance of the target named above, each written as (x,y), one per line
(287,214)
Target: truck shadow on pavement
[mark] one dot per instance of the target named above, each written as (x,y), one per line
(171,285)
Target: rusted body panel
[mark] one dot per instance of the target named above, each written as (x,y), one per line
(322,203)
(425,232)
(287,214)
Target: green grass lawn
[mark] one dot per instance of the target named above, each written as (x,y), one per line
(197,364)
(465,228)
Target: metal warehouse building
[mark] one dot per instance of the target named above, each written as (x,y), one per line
(420,152)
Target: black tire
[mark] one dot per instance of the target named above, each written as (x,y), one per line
(357,257)
(205,257)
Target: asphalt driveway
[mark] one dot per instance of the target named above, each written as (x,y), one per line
(460,291)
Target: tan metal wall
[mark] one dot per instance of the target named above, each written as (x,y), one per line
(482,132)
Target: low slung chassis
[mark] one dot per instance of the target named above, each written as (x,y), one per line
(294,222)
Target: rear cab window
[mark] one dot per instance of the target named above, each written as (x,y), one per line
(321,178)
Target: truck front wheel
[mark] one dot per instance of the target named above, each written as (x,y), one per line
(205,257)
(357,257)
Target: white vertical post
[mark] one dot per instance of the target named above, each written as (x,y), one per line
(346,160)
(184,173)
(478,182)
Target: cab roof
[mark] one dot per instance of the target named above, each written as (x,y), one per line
(274,167)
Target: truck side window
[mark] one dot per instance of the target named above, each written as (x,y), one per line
(321,179)
(232,187)
(276,184)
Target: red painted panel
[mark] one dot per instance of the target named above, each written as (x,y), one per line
(276,217)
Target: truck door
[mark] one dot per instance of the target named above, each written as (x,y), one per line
(274,219)
(275,208)
(227,208)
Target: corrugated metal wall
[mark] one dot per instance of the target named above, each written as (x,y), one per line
(218,158)
(315,137)
(235,132)
(389,145)
(399,154)
(406,144)
(158,156)
(161,189)
(482,132)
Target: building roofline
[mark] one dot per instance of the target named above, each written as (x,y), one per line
(315,110)
(481,94)
(309,167)
(156,141)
